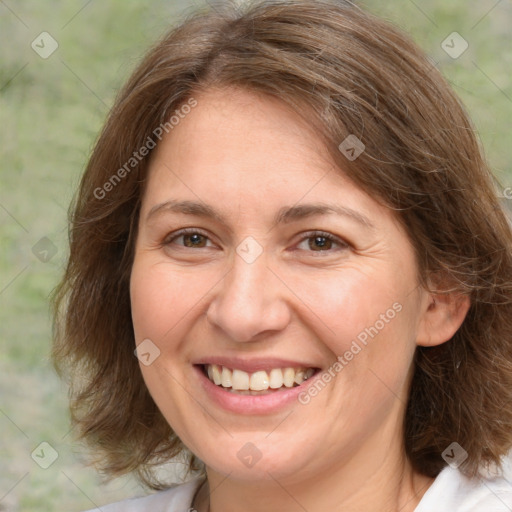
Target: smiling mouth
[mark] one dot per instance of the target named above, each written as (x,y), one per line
(258,383)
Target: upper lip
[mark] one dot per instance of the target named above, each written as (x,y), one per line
(254,364)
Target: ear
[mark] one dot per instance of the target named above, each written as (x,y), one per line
(442,315)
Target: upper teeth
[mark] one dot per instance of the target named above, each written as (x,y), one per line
(257,381)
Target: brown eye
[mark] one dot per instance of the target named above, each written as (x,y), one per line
(190,238)
(194,240)
(319,243)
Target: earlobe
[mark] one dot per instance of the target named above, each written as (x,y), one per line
(443,314)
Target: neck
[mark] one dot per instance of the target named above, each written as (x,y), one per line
(390,485)
(369,472)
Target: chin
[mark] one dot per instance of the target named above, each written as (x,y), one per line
(267,460)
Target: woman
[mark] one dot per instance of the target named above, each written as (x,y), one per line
(288,217)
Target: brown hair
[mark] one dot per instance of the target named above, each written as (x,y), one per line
(349,73)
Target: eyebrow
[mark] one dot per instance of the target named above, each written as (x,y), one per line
(285,215)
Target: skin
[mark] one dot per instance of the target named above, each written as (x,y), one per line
(247,156)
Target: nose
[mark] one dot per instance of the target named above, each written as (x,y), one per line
(249,302)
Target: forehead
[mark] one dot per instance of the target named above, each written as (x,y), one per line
(247,152)
(249,129)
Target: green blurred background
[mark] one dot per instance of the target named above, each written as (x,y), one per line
(50,113)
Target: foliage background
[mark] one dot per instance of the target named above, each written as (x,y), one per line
(50,113)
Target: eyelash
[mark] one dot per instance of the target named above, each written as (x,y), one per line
(306,236)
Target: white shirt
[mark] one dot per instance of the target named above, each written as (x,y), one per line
(453,492)
(450,492)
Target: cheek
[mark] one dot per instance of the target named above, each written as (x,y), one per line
(161,296)
(366,320)
(344,304)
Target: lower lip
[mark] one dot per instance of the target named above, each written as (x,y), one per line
(251,404)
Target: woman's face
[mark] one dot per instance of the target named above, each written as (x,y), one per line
(287,268)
